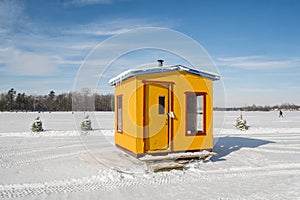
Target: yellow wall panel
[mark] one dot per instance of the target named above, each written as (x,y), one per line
(132,91)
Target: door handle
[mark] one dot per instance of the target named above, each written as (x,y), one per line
(171,114)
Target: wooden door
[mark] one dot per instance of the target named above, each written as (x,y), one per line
(157,118)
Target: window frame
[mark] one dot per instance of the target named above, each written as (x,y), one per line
(161,105)
(119,122)
(198,133)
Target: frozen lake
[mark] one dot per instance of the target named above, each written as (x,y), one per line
(260,163)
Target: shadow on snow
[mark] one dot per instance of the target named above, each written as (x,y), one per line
(227,145)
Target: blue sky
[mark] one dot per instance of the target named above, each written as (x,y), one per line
(255,44)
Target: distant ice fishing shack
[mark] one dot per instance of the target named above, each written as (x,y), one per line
(163,109)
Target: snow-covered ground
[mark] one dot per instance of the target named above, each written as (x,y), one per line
(60,163)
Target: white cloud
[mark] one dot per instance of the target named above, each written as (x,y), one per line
(12,17)
(10,11)
(254,90)
(24,63)
(81,45)
(3,50)
(90,2)
(258,62)
(2,30)
(63,61)
(24,52)
(101,31)
(112,27)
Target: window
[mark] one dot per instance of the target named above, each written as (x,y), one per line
(195,113)
(119,114)
(161,103)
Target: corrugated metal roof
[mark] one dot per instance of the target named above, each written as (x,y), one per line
(134,72)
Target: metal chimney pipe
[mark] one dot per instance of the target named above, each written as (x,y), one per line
(160,63)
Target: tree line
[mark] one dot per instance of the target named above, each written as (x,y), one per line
(284,106)
(85,100)
(82,101)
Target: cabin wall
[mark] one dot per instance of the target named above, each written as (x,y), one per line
(192,83)
(132,91)
(127,138)
(139,120)
(186,82)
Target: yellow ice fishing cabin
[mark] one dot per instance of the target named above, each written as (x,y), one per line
(163,109)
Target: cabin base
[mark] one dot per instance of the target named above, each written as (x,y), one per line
(156,154)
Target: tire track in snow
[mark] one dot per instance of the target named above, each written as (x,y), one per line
(292,146)
(4,149)
(243,173)
(20,153)
(274,150)
(269,168)
(110,179)
(10,164)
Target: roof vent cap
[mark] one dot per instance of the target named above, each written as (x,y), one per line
(160,63)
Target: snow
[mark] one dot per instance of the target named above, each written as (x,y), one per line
(132,72)
(64,163)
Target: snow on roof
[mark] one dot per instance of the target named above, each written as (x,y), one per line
(149,70)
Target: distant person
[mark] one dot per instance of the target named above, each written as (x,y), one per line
(280,113)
